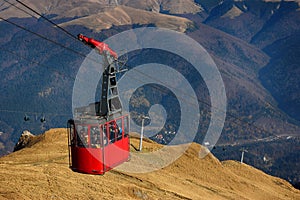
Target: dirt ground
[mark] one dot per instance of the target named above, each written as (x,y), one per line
(42,172)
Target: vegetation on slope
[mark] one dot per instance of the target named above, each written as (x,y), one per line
(41,172)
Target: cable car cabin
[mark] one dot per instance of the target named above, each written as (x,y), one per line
(99,134)
(96,146)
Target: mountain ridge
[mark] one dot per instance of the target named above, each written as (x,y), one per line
(123,15)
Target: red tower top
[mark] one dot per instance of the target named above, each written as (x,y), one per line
(101,46)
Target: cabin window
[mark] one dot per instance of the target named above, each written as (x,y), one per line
(72,135)
(119,129)
(105,134)
(82,136)
(125,126)
(95,137)
(112,131)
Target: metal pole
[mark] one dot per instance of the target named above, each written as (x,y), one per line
(242,158)
(142,134)
(243,152)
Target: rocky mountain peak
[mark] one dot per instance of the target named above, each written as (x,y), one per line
(26,139)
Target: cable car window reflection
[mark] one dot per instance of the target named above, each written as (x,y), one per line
(119,129)
(105,135)
(95,137)
(112,131)
(82,136)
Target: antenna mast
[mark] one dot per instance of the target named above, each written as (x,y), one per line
(243,152)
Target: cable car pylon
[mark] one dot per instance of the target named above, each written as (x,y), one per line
(99,133)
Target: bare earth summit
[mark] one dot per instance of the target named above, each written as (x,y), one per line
(42,172)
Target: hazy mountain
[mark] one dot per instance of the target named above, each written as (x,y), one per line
(41,172)
(281,75)
(255,21)
(254,44)
(273,26)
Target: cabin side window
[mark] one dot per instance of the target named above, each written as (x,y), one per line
(115,130)
(112,131)
(119,129)
(82,136)
(72,134)
(126,126)
(105,135)
(95,137)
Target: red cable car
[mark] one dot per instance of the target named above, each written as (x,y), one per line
(95,147)
(99,135)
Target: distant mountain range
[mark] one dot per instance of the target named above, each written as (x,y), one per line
(255,45)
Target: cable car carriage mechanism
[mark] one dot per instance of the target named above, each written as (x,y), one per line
(98,136)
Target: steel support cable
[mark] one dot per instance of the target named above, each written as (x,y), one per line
(207,104)
(48,20)
(20,9)
(49,40)
(188,95)
(35,62)
(45,18)
(240,121)
(31,113)
(41,36)
(56,25)
(132,77)
(66,31)
(249,123)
